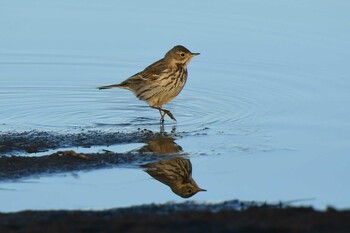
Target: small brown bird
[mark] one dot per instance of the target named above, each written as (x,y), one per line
(162,81)
(175,173)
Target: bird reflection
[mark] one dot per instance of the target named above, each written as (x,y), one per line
(162,146)
(175,173)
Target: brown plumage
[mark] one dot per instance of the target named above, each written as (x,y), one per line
(160,82)
(175,173)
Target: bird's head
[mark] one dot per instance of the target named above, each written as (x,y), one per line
(179,55)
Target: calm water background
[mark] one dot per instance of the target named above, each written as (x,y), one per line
(266,104)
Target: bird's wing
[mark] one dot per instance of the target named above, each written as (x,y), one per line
(149,74)
(152,71)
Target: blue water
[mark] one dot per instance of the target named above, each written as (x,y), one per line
(266,105)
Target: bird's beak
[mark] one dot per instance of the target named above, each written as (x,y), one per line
(195,54)
(203,190)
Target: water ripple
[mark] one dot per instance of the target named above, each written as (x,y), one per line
(242,92)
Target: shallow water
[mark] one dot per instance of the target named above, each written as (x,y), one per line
(266,105)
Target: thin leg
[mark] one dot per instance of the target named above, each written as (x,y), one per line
(164,112)
(161,115)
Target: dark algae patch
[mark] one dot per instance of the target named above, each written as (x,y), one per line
(39,141)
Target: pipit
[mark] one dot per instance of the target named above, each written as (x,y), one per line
(175,173)
(160,82)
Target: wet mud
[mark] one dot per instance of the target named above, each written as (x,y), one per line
(157,145)
(39,141)
(230,216)
(160,157)
(16,167)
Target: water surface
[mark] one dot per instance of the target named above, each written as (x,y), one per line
(265,108)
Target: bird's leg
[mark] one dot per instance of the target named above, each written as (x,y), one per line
(164,112)
(161,116)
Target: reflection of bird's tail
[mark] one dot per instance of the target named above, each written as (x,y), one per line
(111,86)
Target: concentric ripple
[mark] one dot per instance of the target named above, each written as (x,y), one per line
(62,94)
(59,92)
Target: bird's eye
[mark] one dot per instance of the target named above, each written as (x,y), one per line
(182,54)
(189,191)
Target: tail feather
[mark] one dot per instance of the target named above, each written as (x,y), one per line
(110,86)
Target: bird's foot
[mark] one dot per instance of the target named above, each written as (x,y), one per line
(169,114)
(163,112)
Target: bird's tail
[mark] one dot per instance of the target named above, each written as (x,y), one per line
(110,86)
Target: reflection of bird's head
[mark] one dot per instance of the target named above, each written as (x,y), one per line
(175,173)
(186,190)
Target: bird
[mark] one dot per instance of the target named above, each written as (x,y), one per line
(175,173)
(161,81)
